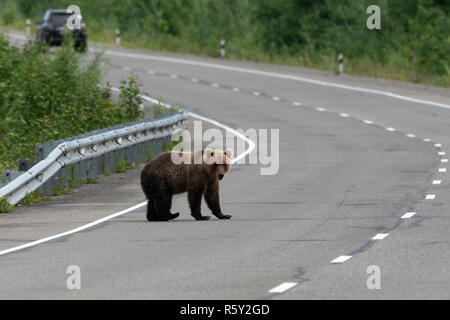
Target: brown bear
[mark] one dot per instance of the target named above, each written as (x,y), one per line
(198,174)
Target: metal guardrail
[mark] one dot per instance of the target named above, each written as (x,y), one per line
(73,152)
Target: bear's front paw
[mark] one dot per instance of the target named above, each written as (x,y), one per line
(225,216)
(206,217)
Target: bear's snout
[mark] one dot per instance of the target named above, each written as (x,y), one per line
(220,176)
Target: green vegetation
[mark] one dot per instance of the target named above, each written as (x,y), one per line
(31,198)
(45,97)
(413,43)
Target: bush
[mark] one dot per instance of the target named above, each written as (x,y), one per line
(46,97)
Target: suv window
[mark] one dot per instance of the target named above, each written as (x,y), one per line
(58,19)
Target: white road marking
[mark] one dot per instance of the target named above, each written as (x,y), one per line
(343,115)
(64,234)
(276,98)
(256,93)
(368,122)
(437,181)
(174,76)
(442,153)
(442,169)
(151,72)
(296,103)
(426,140)
(408,215)
(380,236)
(444,160)
(430,197)
(272,74)
(283,287)
(321,109)
(215,85)
(390,129)
(410,135)
(194,80)
(341,259)
(236,89)
(112,216)
(438,145)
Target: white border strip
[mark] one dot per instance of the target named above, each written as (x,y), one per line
(272,74)
(114,215)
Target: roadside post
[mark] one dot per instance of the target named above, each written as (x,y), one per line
(118,37)
(341,63)
(222,48)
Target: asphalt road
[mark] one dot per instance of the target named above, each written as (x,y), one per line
(352,164)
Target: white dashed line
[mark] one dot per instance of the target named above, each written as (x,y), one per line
(341,259)
(194,80)
(442,169)
(236,89)
(408,215)
(215,85)
(321,109)
(151,72)
(285,286)
(380,236)
(426,140)
(444,160)
(441,153)
(296,103)
(256,93)
(174,76)
(430,197)
(390,129)
(437,181)
(276,98)
(368,122)
(343,115)
(410,135)
(438,145)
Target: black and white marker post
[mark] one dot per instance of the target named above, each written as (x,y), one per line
(222,48)
(28,22)
(341,63)
(118,37)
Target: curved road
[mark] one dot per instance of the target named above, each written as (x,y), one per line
(354,164)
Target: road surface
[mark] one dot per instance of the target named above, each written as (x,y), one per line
(356,162)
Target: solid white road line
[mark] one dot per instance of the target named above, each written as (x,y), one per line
(408,215)
(273,75)
(285,286)
(112,216)
(341,259)
(437,181)
(380,236)
(64,234)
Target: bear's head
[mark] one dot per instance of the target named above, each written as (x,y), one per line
(219,161)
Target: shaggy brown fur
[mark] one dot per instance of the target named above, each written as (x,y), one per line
(161,178)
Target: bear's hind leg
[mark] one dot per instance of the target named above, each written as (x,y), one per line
(162,203)
(151,212)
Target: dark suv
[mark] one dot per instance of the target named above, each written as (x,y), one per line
(50,29)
